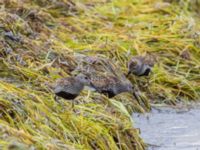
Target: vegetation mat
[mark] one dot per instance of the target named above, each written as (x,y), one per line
(39,43)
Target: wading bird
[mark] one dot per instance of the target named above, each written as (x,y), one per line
(140,66)
(69,88)
(109,85)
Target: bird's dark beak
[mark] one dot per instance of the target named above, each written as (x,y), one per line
(135,95)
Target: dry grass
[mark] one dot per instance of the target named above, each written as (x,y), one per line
(43,30)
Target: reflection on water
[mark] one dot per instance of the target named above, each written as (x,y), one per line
(168,129)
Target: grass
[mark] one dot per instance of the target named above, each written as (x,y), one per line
(31,118)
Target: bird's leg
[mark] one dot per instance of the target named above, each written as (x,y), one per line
(135,94)
(138,98)
(141,99)
(72,105)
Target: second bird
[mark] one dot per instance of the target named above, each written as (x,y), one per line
(140,66)
(109,85)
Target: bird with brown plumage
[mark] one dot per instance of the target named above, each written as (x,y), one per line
(105,77)
(140,66)
(109,85)
(69,88)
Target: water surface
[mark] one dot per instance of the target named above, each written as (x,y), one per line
(170,129)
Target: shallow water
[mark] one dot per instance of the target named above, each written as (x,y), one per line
(169,129)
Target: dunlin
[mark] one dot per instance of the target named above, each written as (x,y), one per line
(109,85)
(140,66)
(69,88)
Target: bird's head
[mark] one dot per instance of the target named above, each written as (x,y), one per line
(132,66)
(84,79)
(129,86)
